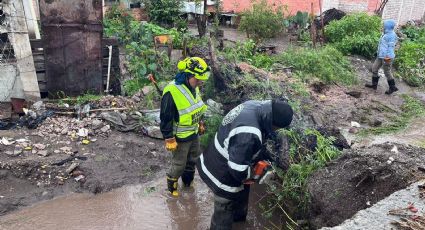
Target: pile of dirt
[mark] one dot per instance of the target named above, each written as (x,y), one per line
(360,178)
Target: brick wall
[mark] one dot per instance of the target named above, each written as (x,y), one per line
(404,10)
(353,5)
(399,10)
(419,9)
(329,4)
(238,6)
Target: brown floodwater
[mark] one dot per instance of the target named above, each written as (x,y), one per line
(146,206)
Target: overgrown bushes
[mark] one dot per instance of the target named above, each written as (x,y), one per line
(355,34)
(326,64)
(137,39)
(163,12)
(410,60)
(262,21)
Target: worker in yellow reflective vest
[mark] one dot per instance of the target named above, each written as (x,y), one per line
(182,109)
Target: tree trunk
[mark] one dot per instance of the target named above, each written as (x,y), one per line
(201,21)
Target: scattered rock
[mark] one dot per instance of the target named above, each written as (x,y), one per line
(57,151)
(105,128)
(18,150)
(355,124)
(39,146)
(43,153)
(394,149)
(66,149)
(71,167)
(355,94)
(153,131)
(65,131)
(375,123)
(76,173)
(97,124)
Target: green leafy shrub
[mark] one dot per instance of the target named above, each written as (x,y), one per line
(414,33)
(137,39)
(355,34)
(117,22)
(410,58)
(212,123)
(163,12)
(326,64)
(262,21)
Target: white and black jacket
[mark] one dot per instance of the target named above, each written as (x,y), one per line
(227,161)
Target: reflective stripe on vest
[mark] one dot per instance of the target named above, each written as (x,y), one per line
(190,109)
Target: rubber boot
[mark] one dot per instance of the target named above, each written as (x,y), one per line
(392,88)
(374,84)
(187,178)
(172,186)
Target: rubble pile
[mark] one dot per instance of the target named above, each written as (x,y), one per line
(90,126)
(110,101)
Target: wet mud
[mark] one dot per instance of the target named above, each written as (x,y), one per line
(144,206)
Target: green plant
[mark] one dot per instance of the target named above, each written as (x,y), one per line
(211,123)
(410,58)
(242,51)
(163,12)
(411,108)
(117,23)
(263,20)
(355,34)
(79,100)
(326,64)
(303,162)
(137,39)
(414,33)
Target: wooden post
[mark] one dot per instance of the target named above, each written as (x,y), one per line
(322,36)
(313,27)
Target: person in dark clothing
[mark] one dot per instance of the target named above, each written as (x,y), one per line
(226,165)
(181,111)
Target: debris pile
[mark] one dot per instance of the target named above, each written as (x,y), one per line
(110,101)
(72,127)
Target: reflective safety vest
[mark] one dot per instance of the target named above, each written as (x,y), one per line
(190,109)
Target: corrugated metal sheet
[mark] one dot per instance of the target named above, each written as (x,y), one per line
(72,35)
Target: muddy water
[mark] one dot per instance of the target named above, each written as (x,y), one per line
(146,206)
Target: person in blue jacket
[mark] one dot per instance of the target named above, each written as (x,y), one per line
(385,57)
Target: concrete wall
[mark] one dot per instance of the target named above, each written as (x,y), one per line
(20,71)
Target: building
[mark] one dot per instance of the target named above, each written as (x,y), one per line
(400,10)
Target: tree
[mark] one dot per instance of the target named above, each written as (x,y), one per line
(201,19)
(163,12)
(263,20)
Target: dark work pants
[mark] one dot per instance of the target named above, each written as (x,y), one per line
(228,211)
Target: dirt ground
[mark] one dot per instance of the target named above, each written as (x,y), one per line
(361,178)
(110,162)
